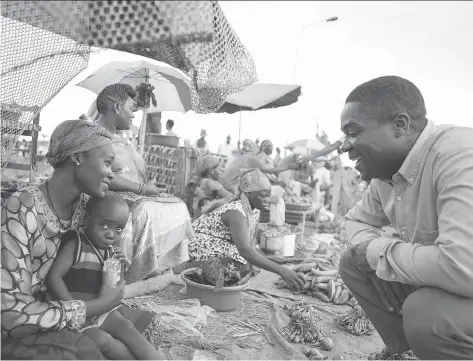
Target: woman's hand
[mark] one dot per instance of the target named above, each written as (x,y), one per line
(112,295)
(294,280)
(151,189)
(118,253)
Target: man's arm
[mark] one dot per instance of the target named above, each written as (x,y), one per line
(448,263)
(365,220)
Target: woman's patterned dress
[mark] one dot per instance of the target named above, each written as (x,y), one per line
(213,238)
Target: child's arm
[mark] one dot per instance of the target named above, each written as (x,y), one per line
(62,264)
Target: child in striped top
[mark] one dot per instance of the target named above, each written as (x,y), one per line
(77,273)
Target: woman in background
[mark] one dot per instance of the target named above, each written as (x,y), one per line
(248,160)
(227,227)
(204,186)
(156,236)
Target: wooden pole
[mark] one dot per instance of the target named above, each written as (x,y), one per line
(143,120)
(34,150)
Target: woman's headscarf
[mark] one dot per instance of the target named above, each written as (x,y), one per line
(206,163)
(75,136)
(266,143)
(248,146)
(251,180)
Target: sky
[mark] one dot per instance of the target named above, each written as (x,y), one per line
(429,43)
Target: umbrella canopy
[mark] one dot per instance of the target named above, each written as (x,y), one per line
(171,87)
(261,96)
(304,146)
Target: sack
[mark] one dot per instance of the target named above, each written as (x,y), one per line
(277,209)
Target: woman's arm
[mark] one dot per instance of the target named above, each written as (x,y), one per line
(238,225)
(327,150)
(223,193)
(22,313)
(121,184)
(55,283)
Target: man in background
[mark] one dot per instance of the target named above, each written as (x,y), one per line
(201,144)
(277,158)
(322,175)
(227,149)
(169,126)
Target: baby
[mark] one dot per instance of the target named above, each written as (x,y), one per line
(77,274)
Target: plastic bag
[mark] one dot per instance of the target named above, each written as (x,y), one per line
(277,209)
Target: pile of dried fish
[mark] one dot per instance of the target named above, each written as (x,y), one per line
(355,322)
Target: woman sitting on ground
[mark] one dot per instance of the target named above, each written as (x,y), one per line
(248,160)
(157,234)
(204,186)
(227,227)
(32,221)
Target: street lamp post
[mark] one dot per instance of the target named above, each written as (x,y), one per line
(303,30)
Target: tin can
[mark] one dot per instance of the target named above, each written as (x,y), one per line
(113,270)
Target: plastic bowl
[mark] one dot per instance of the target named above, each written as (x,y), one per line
(228,299)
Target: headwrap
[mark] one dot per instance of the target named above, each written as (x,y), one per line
(251,180)
(248,146)
(206,163)
(266,143)
(75,136)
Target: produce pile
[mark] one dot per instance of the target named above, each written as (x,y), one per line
(304,327)
(215,273)
(355,322)
(292,195)
(322,281)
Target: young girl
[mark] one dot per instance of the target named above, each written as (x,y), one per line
(77,274)
(204,185)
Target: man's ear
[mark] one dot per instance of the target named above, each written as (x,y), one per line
(402,123)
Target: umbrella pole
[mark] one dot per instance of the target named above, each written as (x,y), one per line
(239,126)
(143,121)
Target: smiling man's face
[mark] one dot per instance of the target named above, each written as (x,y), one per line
(371,141)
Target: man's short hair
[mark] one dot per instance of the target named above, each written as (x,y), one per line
(389,95)
(170,123)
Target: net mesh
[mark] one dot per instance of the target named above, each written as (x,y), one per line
(46,43)
(35,65)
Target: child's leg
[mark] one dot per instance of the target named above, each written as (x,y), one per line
(111,348)
(122,329)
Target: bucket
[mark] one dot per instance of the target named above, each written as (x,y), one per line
(272,245)
(289,248)
(228,299)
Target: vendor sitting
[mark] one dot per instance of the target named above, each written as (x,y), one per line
(227,226)
(204,187)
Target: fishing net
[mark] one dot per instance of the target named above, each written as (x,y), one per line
(35,65)
(46,43)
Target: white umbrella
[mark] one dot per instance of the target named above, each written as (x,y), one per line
(171,86)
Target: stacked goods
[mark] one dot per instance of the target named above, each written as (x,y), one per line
(304,327)
(293,196)
(161,166)
(355,322)
(322,281)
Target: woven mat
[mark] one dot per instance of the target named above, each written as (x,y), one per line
(264,282)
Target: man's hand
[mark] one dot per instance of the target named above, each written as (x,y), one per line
(392,294)
(358,256)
